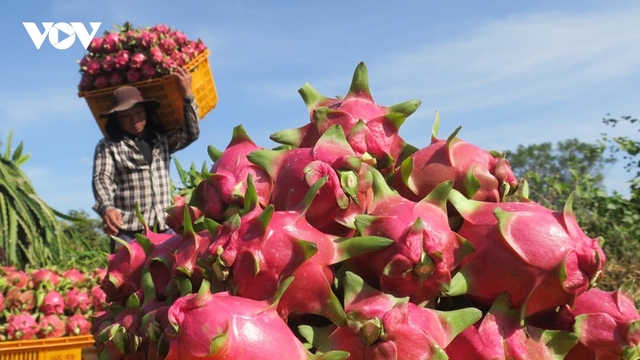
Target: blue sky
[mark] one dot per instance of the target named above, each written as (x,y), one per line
(508,72)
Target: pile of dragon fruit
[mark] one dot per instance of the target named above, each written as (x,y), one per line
(128,55)
(343,241)
(48,303)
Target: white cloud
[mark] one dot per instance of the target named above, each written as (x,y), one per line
(520,60)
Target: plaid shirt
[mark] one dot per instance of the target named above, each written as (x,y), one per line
(122,177)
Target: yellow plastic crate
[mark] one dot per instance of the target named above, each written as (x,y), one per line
(166,90)
(63,348)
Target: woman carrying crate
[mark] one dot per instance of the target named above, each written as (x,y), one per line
(131,163)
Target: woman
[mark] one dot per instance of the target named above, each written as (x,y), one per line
(131,163)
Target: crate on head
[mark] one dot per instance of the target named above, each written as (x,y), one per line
(166,90)
(62,348)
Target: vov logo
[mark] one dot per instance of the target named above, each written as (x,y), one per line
(70,30)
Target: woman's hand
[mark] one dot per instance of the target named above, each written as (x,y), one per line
(112,221)
(184,81)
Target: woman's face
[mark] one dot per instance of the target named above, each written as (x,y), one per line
(133,120)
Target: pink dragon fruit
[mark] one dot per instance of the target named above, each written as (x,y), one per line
(91,66)
(346,194)
(155,55)
(148,70)
(167,45)
(425,251)
(21,326)
(145,39)
(111,42)
(120,332)
(46,277)
(371,129)
(167,65)
(137,60)
(175,212)
(237,328)
(122,59)
(101,82)
(74,276)
(500,335)
(381,326)
(98,298)
(221,194)
(51,326)
(14,277)
(607,324)
(116,79)
(160,29)
(76,300)
(108,63)
(477,173)
(540,257)
(20,300)
(77,324)
(133,75)
(95,46)
(52,303)
(179,37)
(86,83)
(125,269)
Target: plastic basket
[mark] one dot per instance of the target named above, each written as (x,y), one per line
(63,348)
(166,90)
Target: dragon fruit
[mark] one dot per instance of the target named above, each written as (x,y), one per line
(539,256)
(500,335)
(111,42)
(108,63)
(607,324)
(425,251)
(14,277)
(347,192)
(221,194)
(478,174)
(46,277)
(76,300)
(74,276)
(52,303)
(371,129)
(20,300)
(124,270)
(77,324)
(21,326)
(51,326)
(122,58)
(236,328)
(381,326)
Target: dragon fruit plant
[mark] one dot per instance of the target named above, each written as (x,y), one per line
(346,242)
(129,54)
(48,302)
